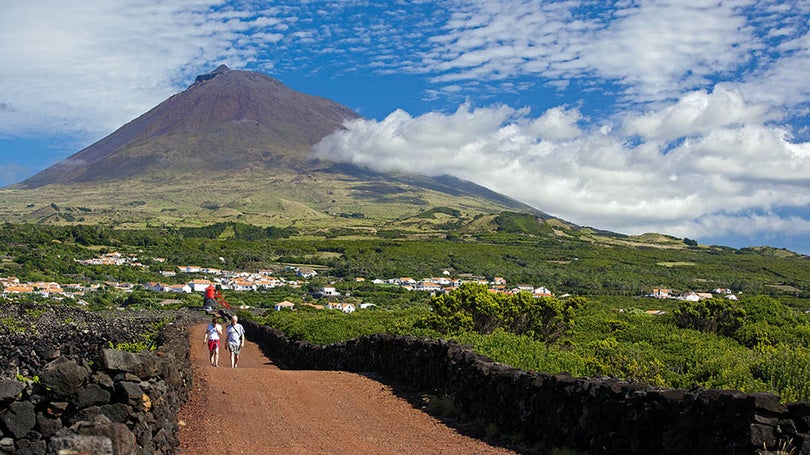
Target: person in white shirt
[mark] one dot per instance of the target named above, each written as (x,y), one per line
(212,335)
(236,339)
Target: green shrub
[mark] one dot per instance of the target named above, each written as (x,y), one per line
(473,307)
(715,315)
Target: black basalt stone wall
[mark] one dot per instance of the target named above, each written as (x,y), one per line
(63,390)
(590,415)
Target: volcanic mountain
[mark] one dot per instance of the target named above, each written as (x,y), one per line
(236,146)
(226,120)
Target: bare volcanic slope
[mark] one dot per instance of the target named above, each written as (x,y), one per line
(226,120)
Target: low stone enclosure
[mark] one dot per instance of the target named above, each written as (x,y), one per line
(586,415)
(64,390)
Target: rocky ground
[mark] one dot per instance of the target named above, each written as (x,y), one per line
(73,381)
(35,334)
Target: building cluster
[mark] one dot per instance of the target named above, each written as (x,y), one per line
(260,280)
(113,258)
(446,284)
(47,289)
(263,280)
(691,296)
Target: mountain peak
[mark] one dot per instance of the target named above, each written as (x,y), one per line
(227,119)
(220,70)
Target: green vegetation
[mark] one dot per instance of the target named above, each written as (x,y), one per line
(759,343)
(31,380)
(473,307)
(12,325)
(146,343)
(569,265)
(719,316)
(440,210)
(325,327)
(129,346)
(521,223)
(606,338)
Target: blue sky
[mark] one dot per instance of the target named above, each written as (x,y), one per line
(684,117)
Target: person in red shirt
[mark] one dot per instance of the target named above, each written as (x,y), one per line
(210,299)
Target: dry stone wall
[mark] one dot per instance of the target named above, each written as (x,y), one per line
(588,415)
(63,388)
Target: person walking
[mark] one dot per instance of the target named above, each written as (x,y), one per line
(236,340)
(212,335)
(210,298)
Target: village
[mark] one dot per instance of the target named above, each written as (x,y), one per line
(263,280)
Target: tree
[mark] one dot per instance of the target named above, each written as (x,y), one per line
(473,307)
(719,316)
(545,318)
(448,313)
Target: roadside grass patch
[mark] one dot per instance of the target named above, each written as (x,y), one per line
(439,405)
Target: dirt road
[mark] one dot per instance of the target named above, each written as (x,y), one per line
(261,409)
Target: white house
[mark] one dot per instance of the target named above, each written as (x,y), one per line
(327,291)
(285,305)
(444,281)
(200,285)
(268,283)
(242,284)
(660,293)
(542,291)
(178,288)
(428,286)
(306,273)
(154,286)
(347,308)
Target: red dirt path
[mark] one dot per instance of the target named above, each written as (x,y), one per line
(261,409)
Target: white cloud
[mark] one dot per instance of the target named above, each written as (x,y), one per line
(660,48)
(745,225)
(696,113)
(655,49)
(498,40)
(784,82)
(91,66)
(593,177)
(559,124)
